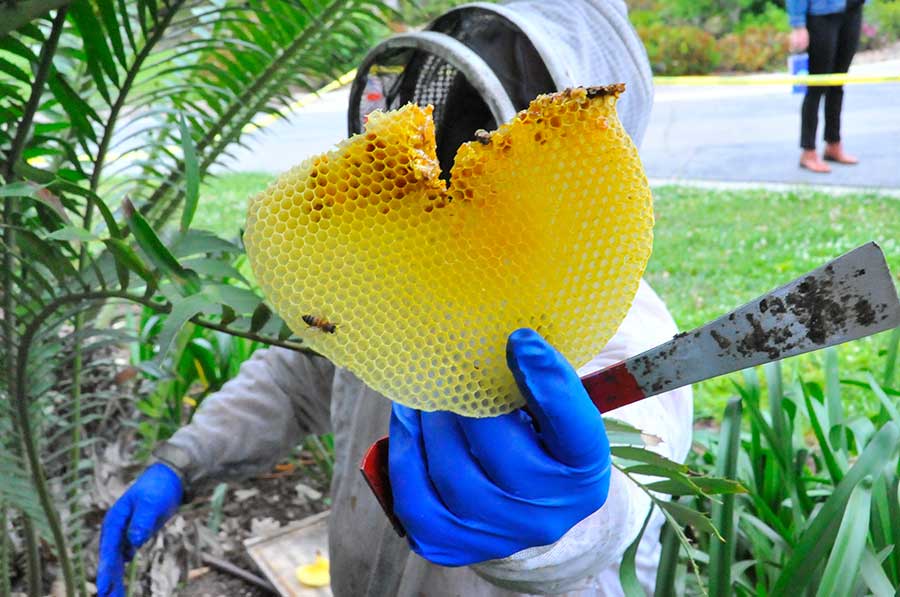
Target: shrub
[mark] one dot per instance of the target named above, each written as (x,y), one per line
(886,14)
(755,49)
(684,50)
(645,18)
(870,37)
(772,16)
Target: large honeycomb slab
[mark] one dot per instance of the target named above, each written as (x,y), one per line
(415,287)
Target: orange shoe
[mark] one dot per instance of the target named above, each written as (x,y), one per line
(834,152)
(809,160)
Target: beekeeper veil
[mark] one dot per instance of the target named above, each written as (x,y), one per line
(480,63)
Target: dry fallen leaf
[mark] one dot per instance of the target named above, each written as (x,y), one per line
(197,572)
(164,576)
(305,493)
(260,527)
(245,494)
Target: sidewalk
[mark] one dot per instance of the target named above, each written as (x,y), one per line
(751,134)
(709,133)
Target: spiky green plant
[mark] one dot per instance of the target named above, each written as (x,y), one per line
(822,514)
(138,99)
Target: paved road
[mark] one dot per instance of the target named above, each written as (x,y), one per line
(752,134)
(696,133)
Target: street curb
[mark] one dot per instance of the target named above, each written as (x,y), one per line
(779,187)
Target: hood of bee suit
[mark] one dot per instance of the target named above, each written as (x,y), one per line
(479,63)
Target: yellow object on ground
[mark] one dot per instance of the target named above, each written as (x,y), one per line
(414,287)
(316,574)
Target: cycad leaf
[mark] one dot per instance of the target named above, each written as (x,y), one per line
(111,24)
(182,312)
(157,252)
(76,108)
(191,175)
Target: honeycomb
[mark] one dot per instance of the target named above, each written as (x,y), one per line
(414,286)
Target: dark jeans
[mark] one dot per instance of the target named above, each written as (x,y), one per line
(833,40)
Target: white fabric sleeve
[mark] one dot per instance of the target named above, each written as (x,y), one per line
(277,398)
(598,542)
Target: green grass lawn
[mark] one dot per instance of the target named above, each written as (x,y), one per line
(714,251)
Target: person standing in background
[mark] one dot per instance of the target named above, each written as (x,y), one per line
(829,30)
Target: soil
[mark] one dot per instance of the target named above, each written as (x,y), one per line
(276,498)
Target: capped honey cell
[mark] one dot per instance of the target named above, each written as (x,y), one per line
(546,223)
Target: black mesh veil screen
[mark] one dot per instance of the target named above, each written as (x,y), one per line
(398,77)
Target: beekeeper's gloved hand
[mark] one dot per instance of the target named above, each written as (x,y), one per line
(469,490)
(132,520)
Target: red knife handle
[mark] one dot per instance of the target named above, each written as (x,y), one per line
(613,387)
(374,469)
(608,389)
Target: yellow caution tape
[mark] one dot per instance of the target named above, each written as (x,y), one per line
(816,80)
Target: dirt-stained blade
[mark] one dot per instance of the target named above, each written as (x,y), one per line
(849,298)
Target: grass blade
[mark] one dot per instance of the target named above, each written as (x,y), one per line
(776,393)
(721,554)
(819,533)
(627,569)
(890,365)
(835,468)
(668,561)
(874,576)
(833,400)
(850,543)
(882,525)
(886,402)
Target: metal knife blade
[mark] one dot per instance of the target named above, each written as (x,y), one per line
(846,299)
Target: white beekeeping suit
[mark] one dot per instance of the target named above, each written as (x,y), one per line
(279,396)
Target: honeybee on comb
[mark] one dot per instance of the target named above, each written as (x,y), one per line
(323,324)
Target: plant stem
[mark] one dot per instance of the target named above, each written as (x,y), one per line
(116,108)
(5,586)
(39,480)
(45,63)
(721,553)
(132,576)
(32,549)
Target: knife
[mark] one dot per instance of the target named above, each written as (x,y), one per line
(846,299)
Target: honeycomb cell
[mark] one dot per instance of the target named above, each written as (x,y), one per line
(547,223)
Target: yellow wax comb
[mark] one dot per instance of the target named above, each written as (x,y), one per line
(375,263)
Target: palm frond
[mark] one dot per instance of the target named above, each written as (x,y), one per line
(91,98)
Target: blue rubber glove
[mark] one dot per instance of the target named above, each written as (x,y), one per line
(469,490)
(133,519)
